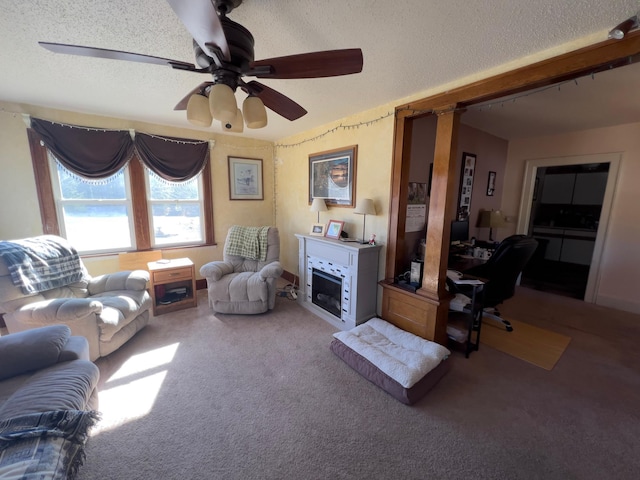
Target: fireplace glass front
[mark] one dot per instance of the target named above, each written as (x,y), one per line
(326,292)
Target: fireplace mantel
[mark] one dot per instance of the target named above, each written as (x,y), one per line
(355,264)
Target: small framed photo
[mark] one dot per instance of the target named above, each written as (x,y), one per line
(334,228)
(317,229)
(245,178)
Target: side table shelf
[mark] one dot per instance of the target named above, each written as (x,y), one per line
(463,327)
(172,285)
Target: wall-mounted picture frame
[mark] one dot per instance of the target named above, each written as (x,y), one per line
(317,229)
(466,185)
(491,184)
(332,176)
(334,228)
(245,178)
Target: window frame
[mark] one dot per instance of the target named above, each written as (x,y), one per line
(60,203)
(140,211)
(151,203)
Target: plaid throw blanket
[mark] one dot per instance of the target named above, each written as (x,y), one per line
(247,242)
(45,445)
(41,263)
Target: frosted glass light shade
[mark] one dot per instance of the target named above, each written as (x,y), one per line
(222,103)
(198,110)
(255,115)
(237,125)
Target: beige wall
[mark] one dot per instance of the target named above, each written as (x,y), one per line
(20,213)
(620,266)
(373,171)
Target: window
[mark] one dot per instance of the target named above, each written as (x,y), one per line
(131,210)
(86,207)
(175,210)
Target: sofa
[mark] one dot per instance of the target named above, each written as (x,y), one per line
(107,310)
(48,401)
(244,282)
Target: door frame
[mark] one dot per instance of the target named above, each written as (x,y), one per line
(531,167)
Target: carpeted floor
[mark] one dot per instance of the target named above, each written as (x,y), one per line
(262,397)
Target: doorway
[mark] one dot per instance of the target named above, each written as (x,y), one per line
(567,252)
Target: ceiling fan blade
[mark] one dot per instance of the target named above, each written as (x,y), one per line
(182,104)
(201,20)
(329,63)
(115,55)
(275,101)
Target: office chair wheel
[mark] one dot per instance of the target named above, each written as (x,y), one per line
(507,325)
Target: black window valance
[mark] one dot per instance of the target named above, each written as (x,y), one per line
(95,153)
(174,159)
(91,153)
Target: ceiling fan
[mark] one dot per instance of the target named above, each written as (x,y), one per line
(224,49)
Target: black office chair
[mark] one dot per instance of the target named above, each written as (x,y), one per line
(502,271)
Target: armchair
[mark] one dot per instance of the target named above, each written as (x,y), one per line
(107,310)
(245,281)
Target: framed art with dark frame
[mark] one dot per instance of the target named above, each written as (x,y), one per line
(332,176)
(334,228)
(245,178)
(466,185)
(317,229)
(491,184)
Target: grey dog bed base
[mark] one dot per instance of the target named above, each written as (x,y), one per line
(368,370)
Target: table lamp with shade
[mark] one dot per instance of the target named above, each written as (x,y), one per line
(491,219)
(318,205)
(365,207)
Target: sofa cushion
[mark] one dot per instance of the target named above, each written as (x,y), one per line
(120,308)
(64,386)
(23,352)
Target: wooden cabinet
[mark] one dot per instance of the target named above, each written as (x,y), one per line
(173,285)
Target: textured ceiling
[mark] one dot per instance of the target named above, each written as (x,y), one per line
(409,46)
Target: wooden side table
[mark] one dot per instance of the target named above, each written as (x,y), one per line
(173,285)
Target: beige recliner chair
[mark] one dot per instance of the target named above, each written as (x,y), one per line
(245,282)
(107,310)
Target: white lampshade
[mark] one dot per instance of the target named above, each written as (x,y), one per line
(222,103)
(198,112)
(318,205)
(365,207)
(236,126)
(255,115)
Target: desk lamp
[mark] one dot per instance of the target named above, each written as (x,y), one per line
(491,219)
(365,207)
(318,205)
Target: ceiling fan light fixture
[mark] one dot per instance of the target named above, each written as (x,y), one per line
(235,126)
(619,31)
(198,112)
(222,103)
(255,114)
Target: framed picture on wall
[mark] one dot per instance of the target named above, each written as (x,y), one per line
(245,178)
(466,185)
(491,184)
(332,176)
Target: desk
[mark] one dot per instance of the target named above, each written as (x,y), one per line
(461,263)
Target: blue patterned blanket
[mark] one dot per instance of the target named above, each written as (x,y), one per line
(45,445)
(41,263)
